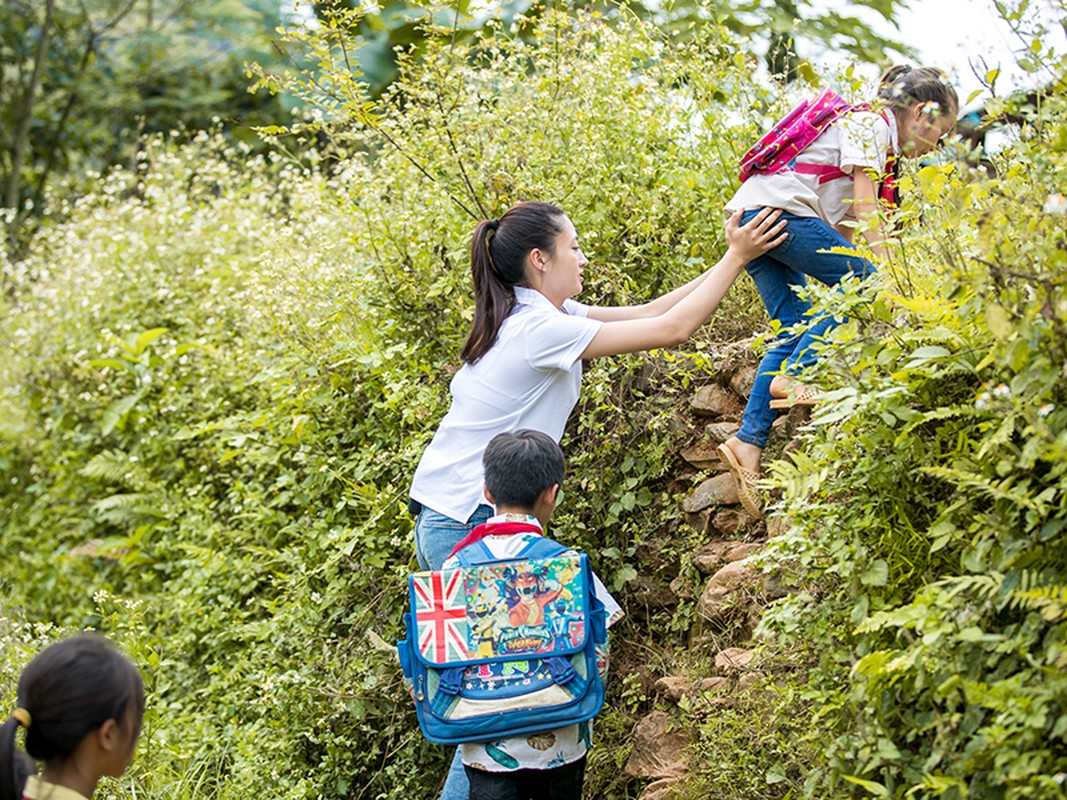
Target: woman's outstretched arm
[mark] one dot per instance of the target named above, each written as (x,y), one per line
(696,301)
(653,308)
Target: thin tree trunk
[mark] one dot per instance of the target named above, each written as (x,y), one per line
(53,147)
(22,132)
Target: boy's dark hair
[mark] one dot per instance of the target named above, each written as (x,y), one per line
(69,689)
(519,466)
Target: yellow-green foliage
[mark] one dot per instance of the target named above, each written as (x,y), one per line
(929,505)
(221,369)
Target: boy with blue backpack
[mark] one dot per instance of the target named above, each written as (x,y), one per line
(507,643)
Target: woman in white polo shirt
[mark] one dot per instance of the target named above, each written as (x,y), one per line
(522,362)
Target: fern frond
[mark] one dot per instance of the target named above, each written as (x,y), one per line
(983,587)
(133,507)
(947,412)
(997,490)
(1050,601)
(115,466)
(1000,437)
(799,475)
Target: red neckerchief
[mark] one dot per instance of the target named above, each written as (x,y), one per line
(495,529)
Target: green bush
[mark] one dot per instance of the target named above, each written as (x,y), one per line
(929,503)
(222,369)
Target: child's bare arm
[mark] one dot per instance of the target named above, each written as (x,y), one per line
(865,205)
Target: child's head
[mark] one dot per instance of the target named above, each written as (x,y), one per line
(924,103)
(521,468)
(80,695)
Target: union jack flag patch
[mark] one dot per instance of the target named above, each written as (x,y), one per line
(441,615)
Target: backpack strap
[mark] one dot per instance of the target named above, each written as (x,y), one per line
(825,172)
(449,686)
(542,547)
(476,553)
(887,192)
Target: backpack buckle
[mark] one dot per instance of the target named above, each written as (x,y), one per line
(561,669)
(451,681)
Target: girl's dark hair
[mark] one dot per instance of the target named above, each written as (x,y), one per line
(498,255)
(69,689)
(902,87)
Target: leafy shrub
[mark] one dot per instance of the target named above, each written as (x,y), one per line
(929,502)
(223,368)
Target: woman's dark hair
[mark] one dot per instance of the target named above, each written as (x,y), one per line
(498,255)
(68,690)
(901,87)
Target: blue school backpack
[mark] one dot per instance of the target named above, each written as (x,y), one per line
(499,648)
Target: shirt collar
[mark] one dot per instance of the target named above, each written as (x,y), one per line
(527,518)
(894,137)
(38,789)
(525,296)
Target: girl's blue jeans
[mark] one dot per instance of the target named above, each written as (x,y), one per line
(435,536)
(778,274)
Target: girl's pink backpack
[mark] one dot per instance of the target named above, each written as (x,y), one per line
(780,146)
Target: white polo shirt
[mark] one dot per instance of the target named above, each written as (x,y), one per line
(861,139)
(530,378)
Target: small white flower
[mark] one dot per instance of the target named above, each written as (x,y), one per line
(1055,204)
(1046,409)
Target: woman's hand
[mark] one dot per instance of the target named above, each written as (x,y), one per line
(761,233)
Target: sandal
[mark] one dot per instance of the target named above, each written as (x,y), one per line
(801,395)
(745,479)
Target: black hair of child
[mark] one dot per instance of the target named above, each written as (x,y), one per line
(68,690)
(519,466)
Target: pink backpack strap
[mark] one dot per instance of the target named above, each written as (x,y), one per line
(826,172)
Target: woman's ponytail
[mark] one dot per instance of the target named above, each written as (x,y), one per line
(69,689)
(499,249)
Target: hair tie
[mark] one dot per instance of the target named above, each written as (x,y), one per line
(488,251)
(22,717)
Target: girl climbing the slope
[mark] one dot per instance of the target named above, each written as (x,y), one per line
(522,363)
(832,186)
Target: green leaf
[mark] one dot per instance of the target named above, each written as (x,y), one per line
(877,789)
(877,574)
(146,338)
(115,413)
(998,321)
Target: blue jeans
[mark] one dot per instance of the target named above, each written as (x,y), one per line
(777,275)
(435,536)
